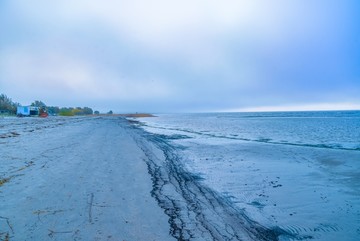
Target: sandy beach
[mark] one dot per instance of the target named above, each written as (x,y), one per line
(108,178)
(103,178)
(75,179)
(296,174)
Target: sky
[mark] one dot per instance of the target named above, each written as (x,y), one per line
(165,56)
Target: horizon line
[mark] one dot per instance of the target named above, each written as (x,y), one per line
(295,108)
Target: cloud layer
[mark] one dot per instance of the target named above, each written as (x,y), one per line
(180,55)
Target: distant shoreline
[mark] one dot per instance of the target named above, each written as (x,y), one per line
(136,115)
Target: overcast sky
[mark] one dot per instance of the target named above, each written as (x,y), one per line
(182,56)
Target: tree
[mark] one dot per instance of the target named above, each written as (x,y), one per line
(66,111)
(75,111)
(110,112)
(87,111)
(96,112)
(6,104)
(53,110)
(38,103)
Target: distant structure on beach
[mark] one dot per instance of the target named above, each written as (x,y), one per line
(27,111)
(31,111)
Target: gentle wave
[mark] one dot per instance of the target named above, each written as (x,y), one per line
(236,137)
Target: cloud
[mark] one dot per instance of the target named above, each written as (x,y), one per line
(169,25)
(208,54)
(63,74)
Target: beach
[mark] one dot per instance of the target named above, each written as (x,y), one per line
(102,178)
(250,177)
(295,173)
(75,179)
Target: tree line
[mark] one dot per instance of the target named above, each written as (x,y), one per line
(8,106)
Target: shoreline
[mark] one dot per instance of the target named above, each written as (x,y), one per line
(132,115)
(106,178)
(310,192)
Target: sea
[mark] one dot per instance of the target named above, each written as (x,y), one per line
(299,171)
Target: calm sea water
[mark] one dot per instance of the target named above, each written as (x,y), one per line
(340,130)
(296,170)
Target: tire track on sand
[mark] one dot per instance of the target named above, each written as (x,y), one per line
(195,211)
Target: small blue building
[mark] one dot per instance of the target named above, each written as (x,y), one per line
(27,111)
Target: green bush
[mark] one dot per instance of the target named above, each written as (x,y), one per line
(66,112)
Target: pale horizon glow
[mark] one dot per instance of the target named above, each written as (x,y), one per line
(181,56)
(310,107)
